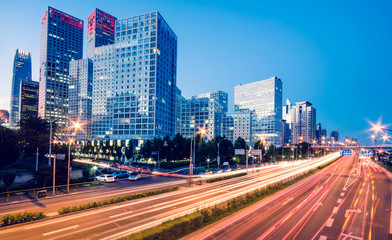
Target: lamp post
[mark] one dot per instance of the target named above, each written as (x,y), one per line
(202,132)
(75,126)
(94,168)
(208,163)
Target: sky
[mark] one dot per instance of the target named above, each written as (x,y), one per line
(334,54)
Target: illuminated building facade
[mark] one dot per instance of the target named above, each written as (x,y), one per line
(203,111)
(100,31)
(303,117)
(145,78)
(21,72)
(61,42)
(103,81)
(263,101)
(80,96)
(28,100)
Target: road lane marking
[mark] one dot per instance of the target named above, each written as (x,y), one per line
(342,194)
(60,230)
(335,210)
(322,237)
(329,222)
(287,201)
(52,214)
(339,200)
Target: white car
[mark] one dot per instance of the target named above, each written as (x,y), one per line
(105,178)
(135,175)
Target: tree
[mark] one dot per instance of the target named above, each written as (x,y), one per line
(240,144)
(8,177)
(9,147)
(44,175)
(146,149)
(129,151)
(34,133)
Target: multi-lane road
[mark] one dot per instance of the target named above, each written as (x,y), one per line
(123,219)
(332,204)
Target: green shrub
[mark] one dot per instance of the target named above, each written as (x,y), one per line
(114,200)
(11,219)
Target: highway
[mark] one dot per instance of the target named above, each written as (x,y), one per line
(123,219)
(331,204)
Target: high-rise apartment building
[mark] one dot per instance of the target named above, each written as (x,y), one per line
(100,31)
(263,101)
(21,72)
(103,82)
(219,96)
(61,42)
(145,78)
(303,122)
(28,100)
(237,125)
(334,136)
(80,96)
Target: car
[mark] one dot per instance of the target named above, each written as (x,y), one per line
(216,171)
(227,169)
(120,174)
(258,165)
(135,175)
(105,178)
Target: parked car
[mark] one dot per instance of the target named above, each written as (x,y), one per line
(135,175)
(258,165)
(105,178)
(120,174)
(235,167)
(227,169)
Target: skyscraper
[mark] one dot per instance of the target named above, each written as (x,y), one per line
(80,95)
(61,42)
(100,31)
(103,81)
(28,100)
(21,71)
(145,78)
(303,122)
(263,100)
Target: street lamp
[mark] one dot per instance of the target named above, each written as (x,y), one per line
(202,132)
(208,163)
(94,168)
(75,126)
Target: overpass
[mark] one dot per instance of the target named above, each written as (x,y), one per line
(373,147)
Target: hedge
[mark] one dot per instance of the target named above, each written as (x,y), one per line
(11,219)
(182,226)
(81,207)
(225,177)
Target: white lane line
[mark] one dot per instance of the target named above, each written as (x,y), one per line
(339,200)
(266,234)
(60,230)
(342,194)
(329,222)
(335,210)
(287,201)
(322,237)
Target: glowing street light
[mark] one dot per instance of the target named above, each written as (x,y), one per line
(202,132)
(75,126)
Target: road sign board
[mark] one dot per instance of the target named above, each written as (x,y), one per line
(255,152)
(239,152)
(367,153)
(154,153)
(346,152)
(60,156)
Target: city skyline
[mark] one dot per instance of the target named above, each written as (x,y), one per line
(291,52)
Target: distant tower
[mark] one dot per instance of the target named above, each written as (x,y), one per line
(21,71)
(100,31)
(61,42)
(28,100)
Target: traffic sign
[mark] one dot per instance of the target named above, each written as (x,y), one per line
(239,152)
(60,156)
(345,152)
(367,153)
(154,153)
(255,152)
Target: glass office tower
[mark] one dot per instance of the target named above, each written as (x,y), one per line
(80,96)
(100,31)
(61,42)
(28,100)
(21,72)
(263,100)
(144,84)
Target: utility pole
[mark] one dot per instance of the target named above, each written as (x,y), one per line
(54,175)
(50,143)
(218,157)
(36,161)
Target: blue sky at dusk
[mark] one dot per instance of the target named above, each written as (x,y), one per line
(335,54)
